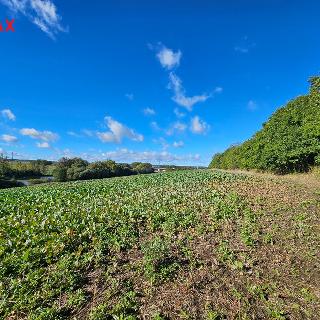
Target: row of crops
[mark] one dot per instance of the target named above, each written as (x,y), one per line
(105,249)
(51,236)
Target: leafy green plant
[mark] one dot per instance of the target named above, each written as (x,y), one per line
(249,228)
(227,256)
(214,315)
(158,262)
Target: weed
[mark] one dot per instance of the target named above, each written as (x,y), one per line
(214,315)
(307,295)
(159,265)
(227,256)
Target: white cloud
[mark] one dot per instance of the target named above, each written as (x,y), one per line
(244,46)
(198,126)
(129,96)
(241,49)
(180,126)
(74,134)
(42,13)
(164,144)
(43,145)
(8,138)
(125,155)
(129,156)
(88,133)
(117,132)
(149,111)
(180,96)
(8,114)
(178,113)
(154,125)
(47,136)
(176,127)
(218,90)
(168,58)
(178,144)
(252,105)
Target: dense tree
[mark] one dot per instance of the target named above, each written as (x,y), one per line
(289,141)
(69,169)
(141,167)
(78,169)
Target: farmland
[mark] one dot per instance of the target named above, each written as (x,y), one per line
(180,245)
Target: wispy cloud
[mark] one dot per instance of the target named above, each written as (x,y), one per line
(252,105)
(149,111)
(168,58)
(180,95)
(125,155)
(244,46)
(178,113)
(43,145)
(47,136)
(83,133)
(8,138)
(164,144)
(217,90)
(178,144)
(88,133)
(154,125)
(74,134)
(43,13)
(129,96)
(8,114)
(198,126)
(176,127)
(118,132)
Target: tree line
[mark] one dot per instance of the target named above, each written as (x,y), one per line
(24,169)
(288,142)
(79,169)
(65,169)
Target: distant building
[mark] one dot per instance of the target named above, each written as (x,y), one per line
(159,169)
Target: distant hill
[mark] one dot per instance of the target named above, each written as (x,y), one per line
(289,141)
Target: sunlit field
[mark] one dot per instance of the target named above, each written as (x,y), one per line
(178,245)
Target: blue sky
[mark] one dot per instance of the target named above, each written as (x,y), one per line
(158,81)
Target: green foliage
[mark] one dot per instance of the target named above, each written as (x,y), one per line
(24,169)
(9,184)
(125,309)
(289,141)
(52,234)
(214,315)
(79,169)
(140,167)
(228,207)
(249,232)
(69,169)
(158,263)
(228,257)
(225,253)
(158,316)
(5,170)
(67,250)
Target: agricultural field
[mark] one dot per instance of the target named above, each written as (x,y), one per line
(179,245)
